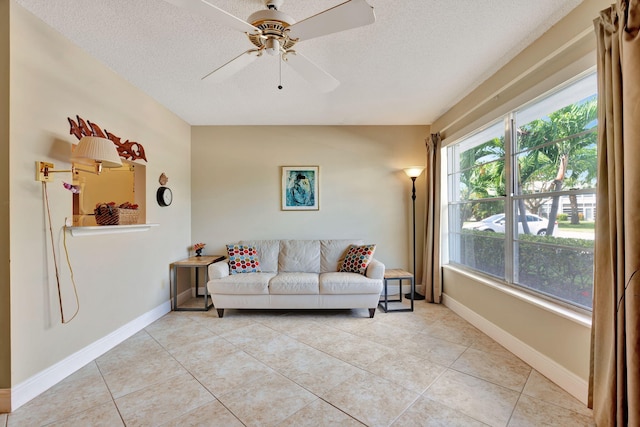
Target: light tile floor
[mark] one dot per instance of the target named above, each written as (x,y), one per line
(305,368)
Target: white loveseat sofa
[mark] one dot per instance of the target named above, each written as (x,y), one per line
(297,274)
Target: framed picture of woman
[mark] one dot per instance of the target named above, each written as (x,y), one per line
(300,188)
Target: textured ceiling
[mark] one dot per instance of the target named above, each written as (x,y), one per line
(416,61)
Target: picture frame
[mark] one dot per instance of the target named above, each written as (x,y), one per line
(300,188)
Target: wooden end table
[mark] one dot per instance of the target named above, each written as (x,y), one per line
(194,263)
(399,275)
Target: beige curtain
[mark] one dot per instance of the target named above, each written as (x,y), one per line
(431,260)
(614,383)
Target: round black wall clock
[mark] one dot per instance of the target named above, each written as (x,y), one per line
(164,196)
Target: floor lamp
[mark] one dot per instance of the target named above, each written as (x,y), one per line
(413,172)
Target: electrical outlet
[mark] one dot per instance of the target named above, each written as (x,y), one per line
(68,222)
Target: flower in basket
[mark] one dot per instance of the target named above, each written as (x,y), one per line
(127,205)
(111,204)
(198,248)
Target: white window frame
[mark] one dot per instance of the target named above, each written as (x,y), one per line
(511,243)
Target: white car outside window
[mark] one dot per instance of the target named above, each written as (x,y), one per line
(495,223)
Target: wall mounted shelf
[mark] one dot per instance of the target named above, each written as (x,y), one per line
(109,229)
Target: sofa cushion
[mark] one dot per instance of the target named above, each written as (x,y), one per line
(243,259)
(294,283)
(242,284)
(332,252)
(299,256)
(358,258)
(348,283)
(268,251)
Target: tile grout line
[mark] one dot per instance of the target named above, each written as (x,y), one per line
(113,399)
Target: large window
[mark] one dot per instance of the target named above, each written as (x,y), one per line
(521,196)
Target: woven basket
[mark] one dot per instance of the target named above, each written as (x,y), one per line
(109,215)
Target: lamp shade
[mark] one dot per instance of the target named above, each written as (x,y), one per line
(93,149)
(413,171)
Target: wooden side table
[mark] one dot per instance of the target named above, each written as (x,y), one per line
(195,263)
(399,275)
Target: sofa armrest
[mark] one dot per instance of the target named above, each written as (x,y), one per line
(219,269)
(375,270)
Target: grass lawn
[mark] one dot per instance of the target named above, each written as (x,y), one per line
(587,226)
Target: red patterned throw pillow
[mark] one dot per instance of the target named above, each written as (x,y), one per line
(357,259)
(243,259)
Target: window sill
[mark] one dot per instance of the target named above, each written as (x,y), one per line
(108,229)
(558,309)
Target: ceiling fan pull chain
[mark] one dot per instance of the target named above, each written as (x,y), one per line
(280,63)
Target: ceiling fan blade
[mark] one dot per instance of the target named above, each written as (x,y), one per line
(232,67)
(311,72)
(204,8)
(352,14)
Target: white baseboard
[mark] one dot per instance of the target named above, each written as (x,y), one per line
(32,387)
(570,382)
(186,295)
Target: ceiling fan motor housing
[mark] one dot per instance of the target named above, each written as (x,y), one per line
(272,24)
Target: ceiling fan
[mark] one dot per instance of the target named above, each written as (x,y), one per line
(276,33)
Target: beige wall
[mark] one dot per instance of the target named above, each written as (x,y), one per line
(563,340)
(564,52)
(5,307)
(117,282)
(363,191)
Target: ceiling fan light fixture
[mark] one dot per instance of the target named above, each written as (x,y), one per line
(272,46)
